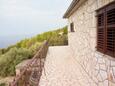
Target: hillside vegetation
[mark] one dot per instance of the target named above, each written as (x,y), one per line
(25,49)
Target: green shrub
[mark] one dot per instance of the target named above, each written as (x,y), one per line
(2,84)
(13,57)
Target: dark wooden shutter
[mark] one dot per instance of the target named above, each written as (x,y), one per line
(106,29)
(101,30)
(110,12)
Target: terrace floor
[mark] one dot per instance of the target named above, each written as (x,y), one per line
(61,69)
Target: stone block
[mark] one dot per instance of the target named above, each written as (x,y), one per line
(103,74)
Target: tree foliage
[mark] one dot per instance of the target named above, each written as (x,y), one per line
(9,60)
(2,84)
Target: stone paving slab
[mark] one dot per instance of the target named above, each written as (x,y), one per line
(61,69)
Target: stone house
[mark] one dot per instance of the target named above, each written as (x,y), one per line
(89,59)
(91,26)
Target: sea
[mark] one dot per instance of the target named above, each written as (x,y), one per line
(6,41)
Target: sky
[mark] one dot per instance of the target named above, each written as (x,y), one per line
(19,17)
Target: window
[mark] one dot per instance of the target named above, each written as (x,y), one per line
(106,30)
(72,27)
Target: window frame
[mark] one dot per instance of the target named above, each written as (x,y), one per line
(72,27)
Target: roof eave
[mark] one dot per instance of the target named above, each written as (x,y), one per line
(72,5)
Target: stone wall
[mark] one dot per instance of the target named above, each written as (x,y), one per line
(99,67)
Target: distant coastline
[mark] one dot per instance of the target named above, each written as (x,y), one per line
(6,41)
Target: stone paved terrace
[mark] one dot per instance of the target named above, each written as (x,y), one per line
(61,69)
